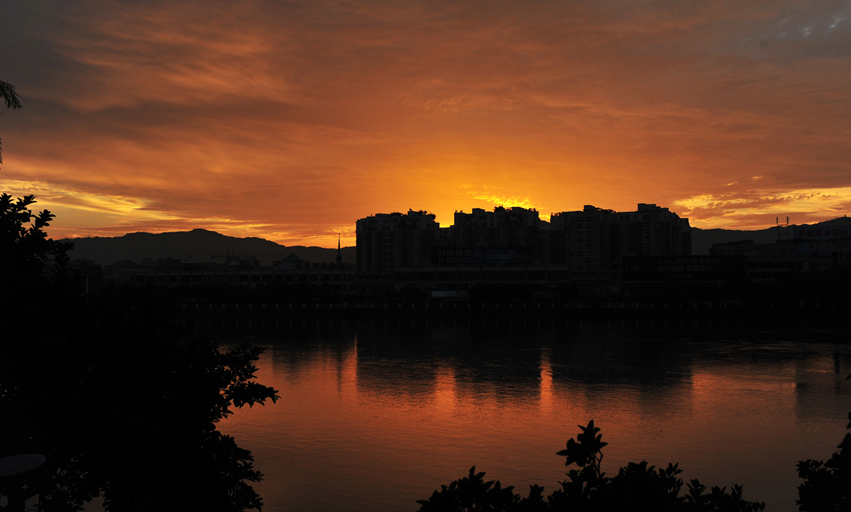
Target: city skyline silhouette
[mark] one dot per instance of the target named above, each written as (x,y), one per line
(288,121)
(237,276)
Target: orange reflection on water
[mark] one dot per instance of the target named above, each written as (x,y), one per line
(371,412)
(546,382)
(444,389)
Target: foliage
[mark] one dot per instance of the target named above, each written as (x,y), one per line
(473,493)
(123,402)
(26,250)
(637,487)
(827,485)
(10,97)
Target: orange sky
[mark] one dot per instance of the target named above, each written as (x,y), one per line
(289,121)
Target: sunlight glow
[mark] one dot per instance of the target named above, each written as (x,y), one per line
(288,122)
(749,210)
(494,196)
(89,209)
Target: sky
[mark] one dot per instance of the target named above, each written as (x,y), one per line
(290,120)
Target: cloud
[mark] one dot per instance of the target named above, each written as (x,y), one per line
(753,209)
(294,119)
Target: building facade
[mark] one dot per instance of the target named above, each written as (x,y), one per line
(511,246)
(387,241)
(592,242)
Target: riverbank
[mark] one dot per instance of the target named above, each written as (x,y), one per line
(254,318)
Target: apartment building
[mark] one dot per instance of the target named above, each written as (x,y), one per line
(513,245)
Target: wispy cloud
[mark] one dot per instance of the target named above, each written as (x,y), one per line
(290,120)
(757,209)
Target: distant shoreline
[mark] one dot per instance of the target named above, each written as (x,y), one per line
(269,318)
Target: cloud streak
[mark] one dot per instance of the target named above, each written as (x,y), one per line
(292,120)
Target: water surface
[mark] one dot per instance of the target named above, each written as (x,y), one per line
(375,415)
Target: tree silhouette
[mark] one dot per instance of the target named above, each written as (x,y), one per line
(26,249)
(7,92)
(122,401)
(637,487)
(827,485)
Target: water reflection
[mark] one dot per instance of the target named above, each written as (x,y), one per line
(821,387)
(395,409)
(408,368)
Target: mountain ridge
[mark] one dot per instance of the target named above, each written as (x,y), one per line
(703,239)
(201,245)
(204,246)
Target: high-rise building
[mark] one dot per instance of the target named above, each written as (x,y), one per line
(515,231)
(592,242)
(585,241)
(654,231)
(392,240)
(513,247)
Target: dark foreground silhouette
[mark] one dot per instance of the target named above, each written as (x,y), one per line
(638,487)
(121,402)
(115,401)
(827,485)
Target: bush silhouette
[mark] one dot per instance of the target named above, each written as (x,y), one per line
(637,487)
(122,401)
(827,485)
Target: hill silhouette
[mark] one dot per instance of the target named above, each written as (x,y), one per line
(703,239)
(205,246)
(201,245)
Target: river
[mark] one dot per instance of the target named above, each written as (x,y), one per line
(377,414)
